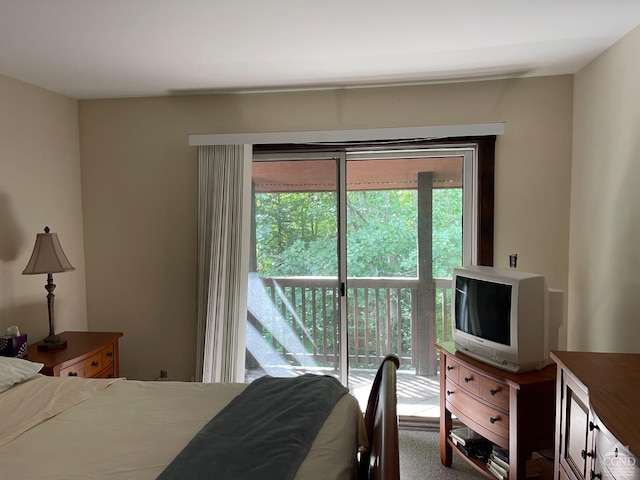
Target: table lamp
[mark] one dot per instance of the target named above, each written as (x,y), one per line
(48,257)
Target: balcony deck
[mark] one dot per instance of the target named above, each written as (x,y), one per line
(418,396)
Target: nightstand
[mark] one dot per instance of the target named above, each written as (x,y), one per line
(88,355)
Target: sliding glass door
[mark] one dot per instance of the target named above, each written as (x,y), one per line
(294,296)
(352,255)
(404,237)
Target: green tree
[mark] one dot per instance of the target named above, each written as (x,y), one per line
(296,233)
(447,231)
(382,233)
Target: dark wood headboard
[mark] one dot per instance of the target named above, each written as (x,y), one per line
(382,460)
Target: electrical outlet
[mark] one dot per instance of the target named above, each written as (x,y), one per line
(163,374)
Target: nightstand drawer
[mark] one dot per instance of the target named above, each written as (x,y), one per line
(108,354)
(91,367)
(76,370)
(106,373)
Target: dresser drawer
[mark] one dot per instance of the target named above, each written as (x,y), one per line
(612,460)
(452,369)
(469,380)
(490,390)
(487,417)
(494,392)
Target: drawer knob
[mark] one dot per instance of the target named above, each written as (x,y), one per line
(449,368)
(73,374)
(595,475)
(593,426)
(109,354)
(94,364)
(467,379)
(493,419)
(586,454)
(449,392)
(493,392)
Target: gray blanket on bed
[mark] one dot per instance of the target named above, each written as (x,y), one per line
(264,433)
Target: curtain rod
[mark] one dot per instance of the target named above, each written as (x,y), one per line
(399,133)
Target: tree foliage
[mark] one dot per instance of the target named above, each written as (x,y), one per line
(296,233)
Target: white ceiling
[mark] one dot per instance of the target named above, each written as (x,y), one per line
(124,48)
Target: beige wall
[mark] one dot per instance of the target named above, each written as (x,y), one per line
(139,189)
(39,185)
(604,306)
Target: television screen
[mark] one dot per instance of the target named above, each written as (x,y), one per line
(483,309)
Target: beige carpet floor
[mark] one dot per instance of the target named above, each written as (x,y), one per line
(420,459)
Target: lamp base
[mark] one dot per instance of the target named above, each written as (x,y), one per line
(52,342)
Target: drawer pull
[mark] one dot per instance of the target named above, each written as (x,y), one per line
(595,475)
(493,392)
(94,364)
(586,454)
(449,368)
(468,379)
(73,374)
(493,419)
(449,392)
(109,354)
(593,426)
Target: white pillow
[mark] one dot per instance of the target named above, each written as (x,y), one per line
(15,370)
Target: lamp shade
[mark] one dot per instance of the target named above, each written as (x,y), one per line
(47,256)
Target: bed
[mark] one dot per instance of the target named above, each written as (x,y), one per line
(74,428)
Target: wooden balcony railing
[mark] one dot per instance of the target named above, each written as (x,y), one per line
(381,318)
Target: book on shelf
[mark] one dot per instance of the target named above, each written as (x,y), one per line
(468,451)
(500,468)
(499,473)
(504,471)
(501,453)
(470,443)
(497,460)
(465,436)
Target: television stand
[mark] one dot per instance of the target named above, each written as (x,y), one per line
(515,411)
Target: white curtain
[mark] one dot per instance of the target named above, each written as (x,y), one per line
(224,196)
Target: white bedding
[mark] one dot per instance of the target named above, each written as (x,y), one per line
(124,429)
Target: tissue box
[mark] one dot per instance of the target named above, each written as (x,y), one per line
(13,346)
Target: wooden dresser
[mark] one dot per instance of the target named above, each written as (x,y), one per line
(513,411)
(87,354)
(598,416)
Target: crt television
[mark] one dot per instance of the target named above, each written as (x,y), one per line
(502,317)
